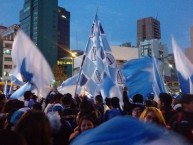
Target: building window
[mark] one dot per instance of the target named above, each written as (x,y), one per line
(7,66)
(7,59)
(8,45)
(7,51)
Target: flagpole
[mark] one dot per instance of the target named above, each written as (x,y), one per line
(79,74)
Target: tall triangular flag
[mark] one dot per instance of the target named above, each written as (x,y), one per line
(100,73)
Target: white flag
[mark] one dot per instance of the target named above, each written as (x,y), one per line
(184,69)
(31,63)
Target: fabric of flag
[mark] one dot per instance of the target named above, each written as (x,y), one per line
(31,64)
(142,76)
(5,89)
(69,85)
(158,80)
(11,89)
(15,80)
(20,92)
(184,69)
(124,130)
(100,66)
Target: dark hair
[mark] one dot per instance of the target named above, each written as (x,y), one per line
(37,106)
(149,103)
(115,102)
(108,101)
(186,98)
(86,117)
(8,137)
(166,99)
(86,105)
(99,98)
(67,99)
(12,105)
(27,95)
(137,98)
(57,96)
(35,127)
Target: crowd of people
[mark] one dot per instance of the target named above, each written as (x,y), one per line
(60,118)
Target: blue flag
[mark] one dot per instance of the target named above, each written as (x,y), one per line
(184,69)
(143,77)
(126,130)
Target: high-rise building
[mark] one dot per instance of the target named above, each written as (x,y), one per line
(6,41)
(147,29)
(63,32)
(39,20)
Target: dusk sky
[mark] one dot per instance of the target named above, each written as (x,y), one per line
(118,18)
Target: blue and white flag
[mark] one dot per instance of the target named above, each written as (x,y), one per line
(99,69)
(184,69)
(69,85)
(143,77)
(15,80)
(20,92)
(31,64)
(158,81)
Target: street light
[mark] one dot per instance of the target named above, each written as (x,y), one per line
(73,56)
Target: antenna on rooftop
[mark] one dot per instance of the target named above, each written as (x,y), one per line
(156,15)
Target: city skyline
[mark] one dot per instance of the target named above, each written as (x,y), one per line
(119,19)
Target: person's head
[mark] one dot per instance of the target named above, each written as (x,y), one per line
(9,137)
(28,95)
(86,105)
(187,102)
(136,110)
(115,102)
(149,103)
(86,122)
(99,99)
(165,100)
(57,98)
(37,107)
(67,99)
(138,98)
(152,115)
(12,105)
(35,127)
(108,102)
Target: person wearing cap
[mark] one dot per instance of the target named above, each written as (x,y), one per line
(183,122)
